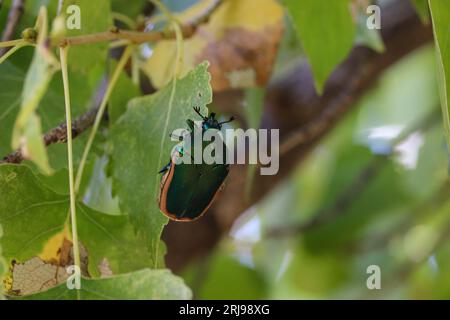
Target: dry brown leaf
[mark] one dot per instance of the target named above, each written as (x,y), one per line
(36,274)
(240,41)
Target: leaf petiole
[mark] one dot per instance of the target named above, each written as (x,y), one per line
(120,66)
(73,215)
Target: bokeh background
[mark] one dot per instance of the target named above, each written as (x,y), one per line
(373,191)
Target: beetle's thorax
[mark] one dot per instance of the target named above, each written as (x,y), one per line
(211,123)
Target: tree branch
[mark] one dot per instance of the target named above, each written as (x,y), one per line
(59,133)
(14,15)
(188,30)
(136,37)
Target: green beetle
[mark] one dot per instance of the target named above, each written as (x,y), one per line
(188,190)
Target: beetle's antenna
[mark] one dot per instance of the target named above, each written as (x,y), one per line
(197,110)
(230,120)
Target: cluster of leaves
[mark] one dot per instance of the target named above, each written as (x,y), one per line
(35,207)
(120,227)
(119,230)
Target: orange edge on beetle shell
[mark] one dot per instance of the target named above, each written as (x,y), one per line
(162,199)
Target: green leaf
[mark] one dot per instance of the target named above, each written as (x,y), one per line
(130,8)
(98,194)
(326,31)
(11,82)
(320,275)
(95,17)
(144,284)
(422,9)
(368,37)
(112,238)
(124,91)
(440,13)
(246,282)
(31,214)
(50,110)
(254,102)
(141,146)
(27,128)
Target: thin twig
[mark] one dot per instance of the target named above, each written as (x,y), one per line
(99,116)
(59,133)
(14,15)
(135,37)
(188,29)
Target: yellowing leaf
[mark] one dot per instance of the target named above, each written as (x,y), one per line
(239,42)
(250,14)
(52,249)
(34,220)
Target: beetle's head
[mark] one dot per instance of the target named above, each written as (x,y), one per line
(211,122)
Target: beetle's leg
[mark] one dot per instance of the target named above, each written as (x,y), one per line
(165,168)
(191,124)
(230,120)
(197,110)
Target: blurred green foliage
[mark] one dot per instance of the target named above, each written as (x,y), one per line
(397,217)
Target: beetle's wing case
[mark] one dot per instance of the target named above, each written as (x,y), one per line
(188,190)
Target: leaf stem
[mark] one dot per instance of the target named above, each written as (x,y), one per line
(12,51)
(119,34)
(73,216)
(180,50)
(120,66)
(135,37)
(11,43)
